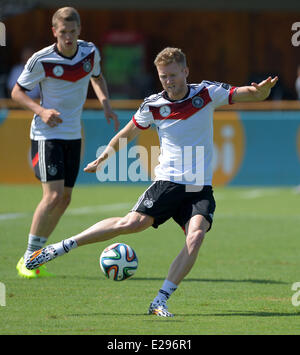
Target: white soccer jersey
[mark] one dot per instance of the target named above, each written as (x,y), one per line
(185,130)
(63,86)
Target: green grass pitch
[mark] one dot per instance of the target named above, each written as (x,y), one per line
(241,283)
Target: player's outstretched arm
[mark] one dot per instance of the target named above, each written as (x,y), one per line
(255,92)
(101,90)
(127,134)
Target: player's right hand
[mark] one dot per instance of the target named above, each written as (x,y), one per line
(50,117)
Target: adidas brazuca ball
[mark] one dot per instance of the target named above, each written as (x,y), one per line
(118,262)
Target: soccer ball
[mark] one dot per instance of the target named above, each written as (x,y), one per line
(118,262)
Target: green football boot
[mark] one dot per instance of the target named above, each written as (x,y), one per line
(32,274)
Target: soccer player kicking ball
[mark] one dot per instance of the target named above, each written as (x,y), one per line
(63,72)
(183,116)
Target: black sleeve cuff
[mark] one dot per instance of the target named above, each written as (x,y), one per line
(23,88)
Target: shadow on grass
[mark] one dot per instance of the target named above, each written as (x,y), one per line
(256,281)
(136,279)
(142,316)
(191,315)
(248,314)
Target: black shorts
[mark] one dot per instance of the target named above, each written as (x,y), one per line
(56,159)
(166,199)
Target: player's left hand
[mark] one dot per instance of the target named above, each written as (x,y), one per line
(263,89)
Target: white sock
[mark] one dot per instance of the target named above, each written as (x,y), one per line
(65,246)
(34,243)
(166,291)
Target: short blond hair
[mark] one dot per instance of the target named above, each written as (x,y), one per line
(66,14)
(170,55)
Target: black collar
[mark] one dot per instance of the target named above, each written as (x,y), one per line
(60,54)
(166,96)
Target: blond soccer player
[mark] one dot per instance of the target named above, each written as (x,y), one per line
(183,115)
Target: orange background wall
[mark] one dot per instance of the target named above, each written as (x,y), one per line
(15,157)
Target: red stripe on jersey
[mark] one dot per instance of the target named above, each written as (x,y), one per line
(35,160)
(68,72)
(183,110)
(139,126)
(232,90)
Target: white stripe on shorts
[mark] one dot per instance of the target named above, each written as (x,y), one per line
(42,162)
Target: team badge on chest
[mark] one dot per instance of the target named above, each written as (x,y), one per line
(87,66)
(58,70)
(165,110)
(197,102)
